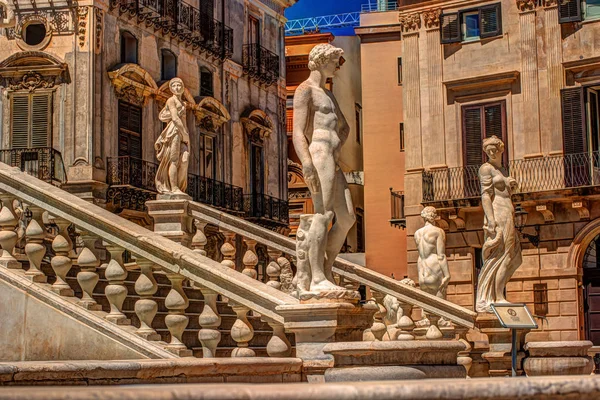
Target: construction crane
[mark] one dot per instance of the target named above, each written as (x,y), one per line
(298,26)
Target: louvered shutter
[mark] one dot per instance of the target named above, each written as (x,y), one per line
(490,21)
(450,28)
(569,11)
(574,137)
(40,120)
(20,121)
(135,119)
(472,127)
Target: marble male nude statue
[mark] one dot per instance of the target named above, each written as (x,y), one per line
(320,131)
(432,264)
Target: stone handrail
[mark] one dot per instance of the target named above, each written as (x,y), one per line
(348,270)
(168,255)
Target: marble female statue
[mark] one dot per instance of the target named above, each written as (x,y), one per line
(320,131)
(501,249)
(172,146)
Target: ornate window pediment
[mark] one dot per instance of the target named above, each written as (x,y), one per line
(211,114)
(257,125)
(132,83)
(31,70)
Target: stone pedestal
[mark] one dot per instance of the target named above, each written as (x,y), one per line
(500,345)
(171,219)
(317,324)
(394,360)
(558,358)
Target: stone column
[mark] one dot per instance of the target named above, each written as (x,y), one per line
(530,144)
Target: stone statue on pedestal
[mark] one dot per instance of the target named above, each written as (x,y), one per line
(172,146)
(432,267)
(320,130)
(502,248)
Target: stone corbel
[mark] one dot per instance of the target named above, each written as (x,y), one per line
(410,22)
(546,212)
(582,209)
(431,18)
(526,5)
(442,223)
(459,222)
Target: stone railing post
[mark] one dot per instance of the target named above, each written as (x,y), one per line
(87,276)
(209,320)
(250,259)
(199,239)
(273,270)
(176,321)
(242,332)
(228,250)
(8,236)
(378,329)
(146,307)
(61,262)
(405,323)
(279,345)
(116,291)
(34,247)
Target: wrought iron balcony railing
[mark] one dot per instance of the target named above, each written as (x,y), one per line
(128,172)
(533,175)
(182,21)
(266,207)
(44,163)
(397,213)
(260,63)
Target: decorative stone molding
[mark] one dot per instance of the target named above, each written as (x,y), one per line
(32,70)
(82,13)
(99,29)
(410,22)
(582,209)
(545,210)
(131,78)
(459,222)
(26,20)
(431,18)
(551,3)
(131,95)
(526,5)
(257,125)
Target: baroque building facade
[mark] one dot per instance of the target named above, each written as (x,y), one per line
(83,83)
(526,72)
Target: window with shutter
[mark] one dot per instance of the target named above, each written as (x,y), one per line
(569,11)
(31,120)
(130,130)
(479,122)
(450,28)
(576,166)
(490,20)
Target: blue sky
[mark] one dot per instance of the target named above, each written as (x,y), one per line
(315,8)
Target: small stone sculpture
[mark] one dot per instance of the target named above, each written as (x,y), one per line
(172,146)
(320,130)
(502,248)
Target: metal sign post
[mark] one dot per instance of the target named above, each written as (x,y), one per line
(514,317)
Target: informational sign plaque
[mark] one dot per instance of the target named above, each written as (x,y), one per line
(514,316)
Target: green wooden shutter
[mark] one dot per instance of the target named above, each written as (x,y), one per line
(40,120)
(450,28)
(569,11)
(472,133)
(20,121)
(490,21)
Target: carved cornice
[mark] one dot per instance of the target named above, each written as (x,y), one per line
(410,22)
(431,18)
(526,5)
(552,3)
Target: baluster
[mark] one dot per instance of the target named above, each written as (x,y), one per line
(273,270)
(116,291)
(242,332)
(210,320)
(8,236)
(199,240)
(279,345)
(87,276)
(63,229)
(176,321)
(433,333)
(35,248)
(378,329)
(250,259)
(405,323)
(228,250)
(146,307)
(61,262)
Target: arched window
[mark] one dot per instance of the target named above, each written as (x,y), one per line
(206,82)
(129,48)
(168,65)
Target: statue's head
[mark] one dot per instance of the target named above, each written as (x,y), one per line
(325,58)
(493,147)
(176,86)
(429,214)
